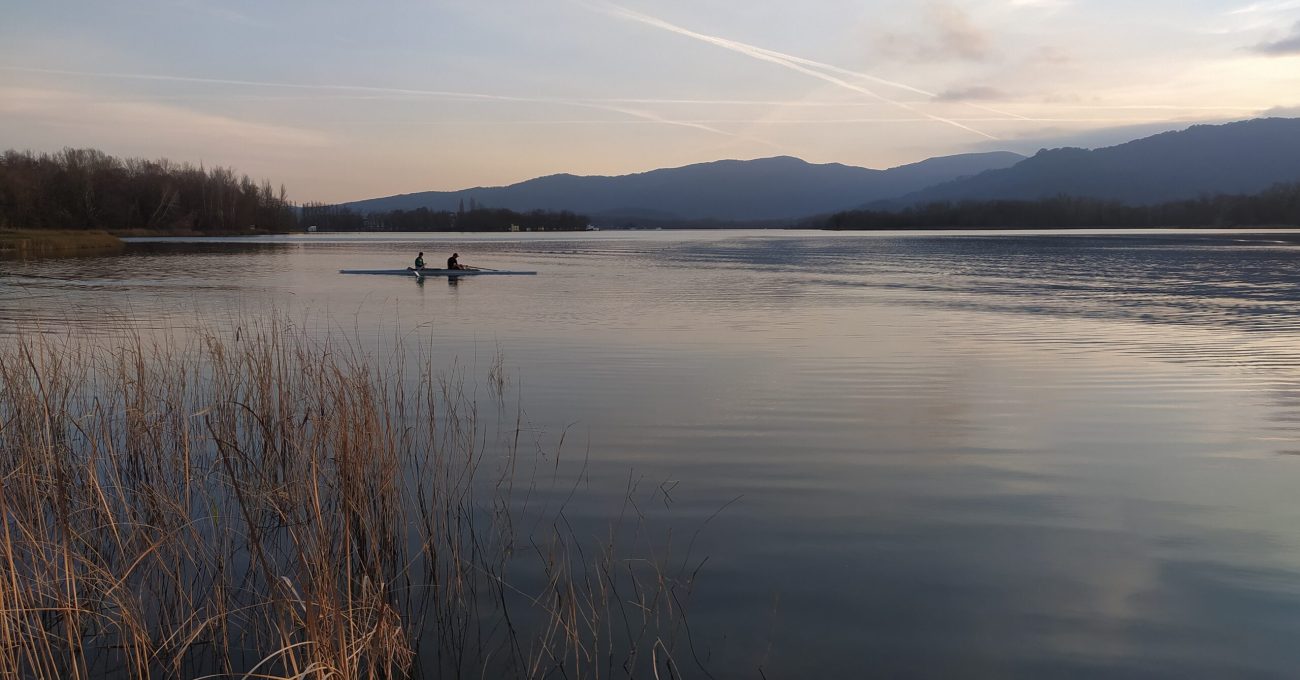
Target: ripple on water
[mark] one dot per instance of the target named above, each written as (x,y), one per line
(964,454)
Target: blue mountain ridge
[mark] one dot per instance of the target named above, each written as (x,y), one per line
(764,189)
(1234,158)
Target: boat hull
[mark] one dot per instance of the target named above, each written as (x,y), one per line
(436,272)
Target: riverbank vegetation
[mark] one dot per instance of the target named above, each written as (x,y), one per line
(51,242)
(81,190)
(1277,207)
(261,502)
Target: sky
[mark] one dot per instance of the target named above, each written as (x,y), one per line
(348,100)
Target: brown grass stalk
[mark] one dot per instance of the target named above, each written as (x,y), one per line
(265,501)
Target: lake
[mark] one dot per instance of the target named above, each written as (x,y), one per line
(1069,454)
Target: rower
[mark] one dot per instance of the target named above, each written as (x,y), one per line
(419,262)
(452,263)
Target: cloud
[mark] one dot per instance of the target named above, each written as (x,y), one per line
(972,93)
(949,34)
(1287,46)
(957,34)
(1281,112)
(1051,54)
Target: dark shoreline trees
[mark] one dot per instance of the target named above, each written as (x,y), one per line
(342,218)
(87,189)
(1277,206)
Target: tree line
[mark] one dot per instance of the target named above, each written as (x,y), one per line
(85,189)
(1277,206)
(342,218)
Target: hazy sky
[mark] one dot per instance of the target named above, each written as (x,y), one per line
(351,100)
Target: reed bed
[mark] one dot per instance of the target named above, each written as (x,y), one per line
(260,501)
(36,243)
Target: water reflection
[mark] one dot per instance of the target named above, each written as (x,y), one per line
(955,455)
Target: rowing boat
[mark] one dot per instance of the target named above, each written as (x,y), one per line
(437,272)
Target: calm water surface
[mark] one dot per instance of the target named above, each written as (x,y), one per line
(962,455)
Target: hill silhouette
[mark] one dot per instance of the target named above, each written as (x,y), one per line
(764,189)
(1235,158)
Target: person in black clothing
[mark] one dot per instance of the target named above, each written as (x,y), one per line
(452,263)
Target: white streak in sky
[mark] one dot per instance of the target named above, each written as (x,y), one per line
(159,121)
(621,106)
(257,83)
(742,121)
(656,118)
(681,102)
(867,76)
(1267,7)
(787,61)
(473,96)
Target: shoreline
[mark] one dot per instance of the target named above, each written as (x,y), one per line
(56,242)
(1224,228)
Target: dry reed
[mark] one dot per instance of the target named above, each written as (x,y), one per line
(265,502)
(45,243)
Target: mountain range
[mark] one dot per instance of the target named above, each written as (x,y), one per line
(1241,157)
(1236,158)
(763,189)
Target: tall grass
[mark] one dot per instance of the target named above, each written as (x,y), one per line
(265,502)
(35,243)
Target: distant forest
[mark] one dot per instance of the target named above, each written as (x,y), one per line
(341,218)
(83,189)
(87,189)
(1278,206)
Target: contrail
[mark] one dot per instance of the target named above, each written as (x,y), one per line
(1157,107)
(1005,114)
(618,105)
(890,83)
(584,103)
(659,119)
(808,62)
(1266,7)
(771,56)
(409,97)
(288,86)
(740,121)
